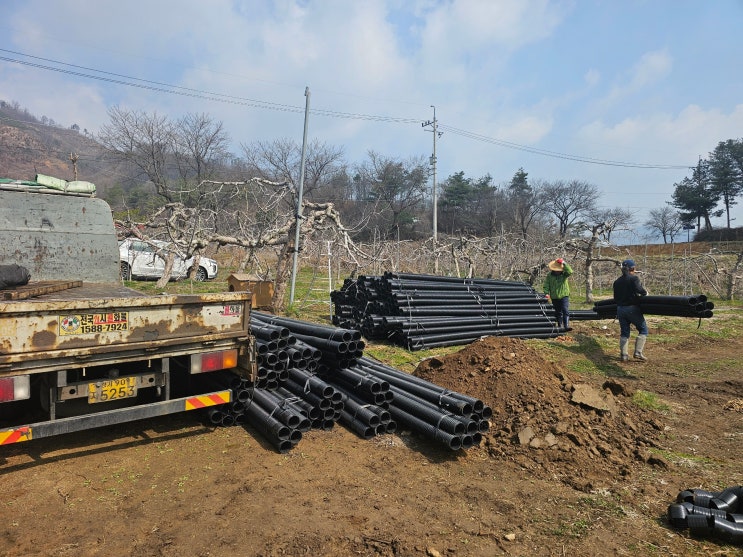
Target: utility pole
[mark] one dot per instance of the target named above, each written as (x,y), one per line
(298,215)
(74,158)
(435,235)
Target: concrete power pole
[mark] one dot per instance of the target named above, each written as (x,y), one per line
(298,215)
(435,235)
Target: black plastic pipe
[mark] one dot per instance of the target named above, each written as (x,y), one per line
(311,382)
(453,442)
(442,420)
(271,427)
(311,329)
(282,413)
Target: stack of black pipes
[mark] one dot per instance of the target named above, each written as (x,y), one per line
(327,379)
(453,419)
(678,306)
(426,311)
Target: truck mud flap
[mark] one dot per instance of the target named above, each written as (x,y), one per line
(110,417)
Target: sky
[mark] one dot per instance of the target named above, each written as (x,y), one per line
(626,95)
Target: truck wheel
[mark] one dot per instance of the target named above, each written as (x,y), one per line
(201,275)
(126,272)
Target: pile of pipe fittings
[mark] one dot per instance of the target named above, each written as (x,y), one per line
(710,514)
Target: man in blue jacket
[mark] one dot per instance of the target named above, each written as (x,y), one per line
(627,293)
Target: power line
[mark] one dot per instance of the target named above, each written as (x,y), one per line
(156,86)
(194,93)
(554,154)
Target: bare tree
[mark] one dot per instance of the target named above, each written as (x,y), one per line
(280,161)
(398,187)
(201,147)
(257,213)
(596,234)
(666,221)
(569,202)
(143,141)
(172,156)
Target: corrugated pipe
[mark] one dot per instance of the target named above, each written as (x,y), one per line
(312,383)
(676,306)
(363,430)
(446,401)
(478,406)
(312,398)
(310,411)
(453,442)
(433,415)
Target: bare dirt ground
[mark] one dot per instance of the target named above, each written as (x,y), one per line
(552,477)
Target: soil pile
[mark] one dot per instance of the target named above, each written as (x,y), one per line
(552,424)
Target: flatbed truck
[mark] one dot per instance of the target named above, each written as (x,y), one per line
(80,350)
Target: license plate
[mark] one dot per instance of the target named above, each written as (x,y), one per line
(112,389)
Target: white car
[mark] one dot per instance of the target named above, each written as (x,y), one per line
(139,260)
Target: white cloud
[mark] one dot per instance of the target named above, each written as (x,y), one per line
(678,139)
(592,77)
(651,68)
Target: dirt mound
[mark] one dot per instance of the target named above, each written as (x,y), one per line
(552,424)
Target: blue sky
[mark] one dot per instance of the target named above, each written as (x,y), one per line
(652,83)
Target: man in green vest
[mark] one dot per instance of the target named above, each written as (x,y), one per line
(557,290)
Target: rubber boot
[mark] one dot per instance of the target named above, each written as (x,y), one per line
(639,345)
(623,352)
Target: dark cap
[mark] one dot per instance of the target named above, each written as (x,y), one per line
(628,263)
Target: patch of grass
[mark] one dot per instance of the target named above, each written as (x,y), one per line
(575,529)
(604,503)
(649,401)
(585,367)
(682,459)
(403,359)
(589,511)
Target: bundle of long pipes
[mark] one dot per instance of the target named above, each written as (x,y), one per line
(453,419)
(425,311)
(364,395)
(680,306)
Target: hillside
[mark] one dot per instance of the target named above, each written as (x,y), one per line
(29,146)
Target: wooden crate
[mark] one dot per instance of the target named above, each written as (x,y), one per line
(261,290)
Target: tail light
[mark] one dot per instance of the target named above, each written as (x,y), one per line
(213,361)
(17,387)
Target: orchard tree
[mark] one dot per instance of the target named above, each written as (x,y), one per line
(592,234)
(257,215)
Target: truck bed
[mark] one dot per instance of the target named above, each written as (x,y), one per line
(95,323)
